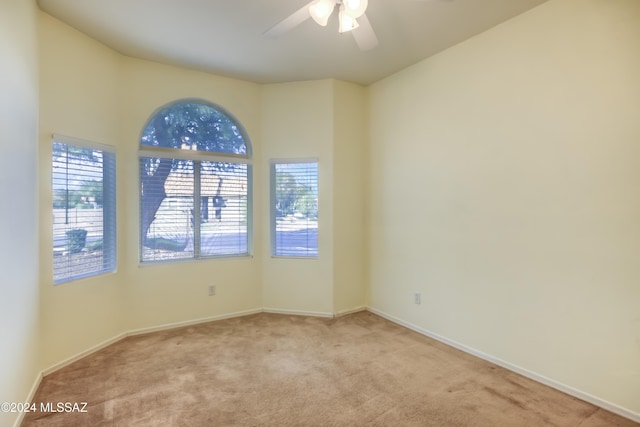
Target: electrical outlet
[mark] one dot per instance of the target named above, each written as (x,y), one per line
(212,290)
(417,297)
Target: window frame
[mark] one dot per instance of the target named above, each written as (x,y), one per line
(109,216)
(197,157)
(272,204)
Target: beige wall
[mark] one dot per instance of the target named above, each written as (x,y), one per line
(323,120)
(504,187)
(349,117)
(89,91)
(19,345)
(298,124)
(79,86)
(161,294)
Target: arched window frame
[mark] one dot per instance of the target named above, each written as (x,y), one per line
(241,167)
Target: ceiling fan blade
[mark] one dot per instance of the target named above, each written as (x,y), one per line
(364,35)
(290,22)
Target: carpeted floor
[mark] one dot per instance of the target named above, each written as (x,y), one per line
(278,370)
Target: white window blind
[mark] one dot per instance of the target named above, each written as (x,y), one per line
(170,203)
(200,210)
(294,209)
(223,209)
(84,215)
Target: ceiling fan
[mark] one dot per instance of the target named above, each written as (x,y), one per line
(351,18)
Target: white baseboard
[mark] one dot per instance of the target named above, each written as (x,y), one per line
(594,400)
(82,354)
(174,325)
(118,337)
(192,322)
(297,312)
(350,311)
(30,396)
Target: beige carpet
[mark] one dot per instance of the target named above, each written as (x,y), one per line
(277,370)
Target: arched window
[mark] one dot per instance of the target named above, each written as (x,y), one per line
(195,184)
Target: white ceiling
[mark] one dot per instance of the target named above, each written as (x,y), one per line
(225,36)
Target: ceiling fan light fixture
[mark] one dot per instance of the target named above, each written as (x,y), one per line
(346,21)
(320,11)
(355,8)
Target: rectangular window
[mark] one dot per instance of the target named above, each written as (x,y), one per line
(294,209)
(198,209)
(84,209)
(223,209)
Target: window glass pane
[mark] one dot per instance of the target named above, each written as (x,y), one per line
(167,211)
(295,209)
(194,126)
(223,211)
(182,223)
(83,184)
